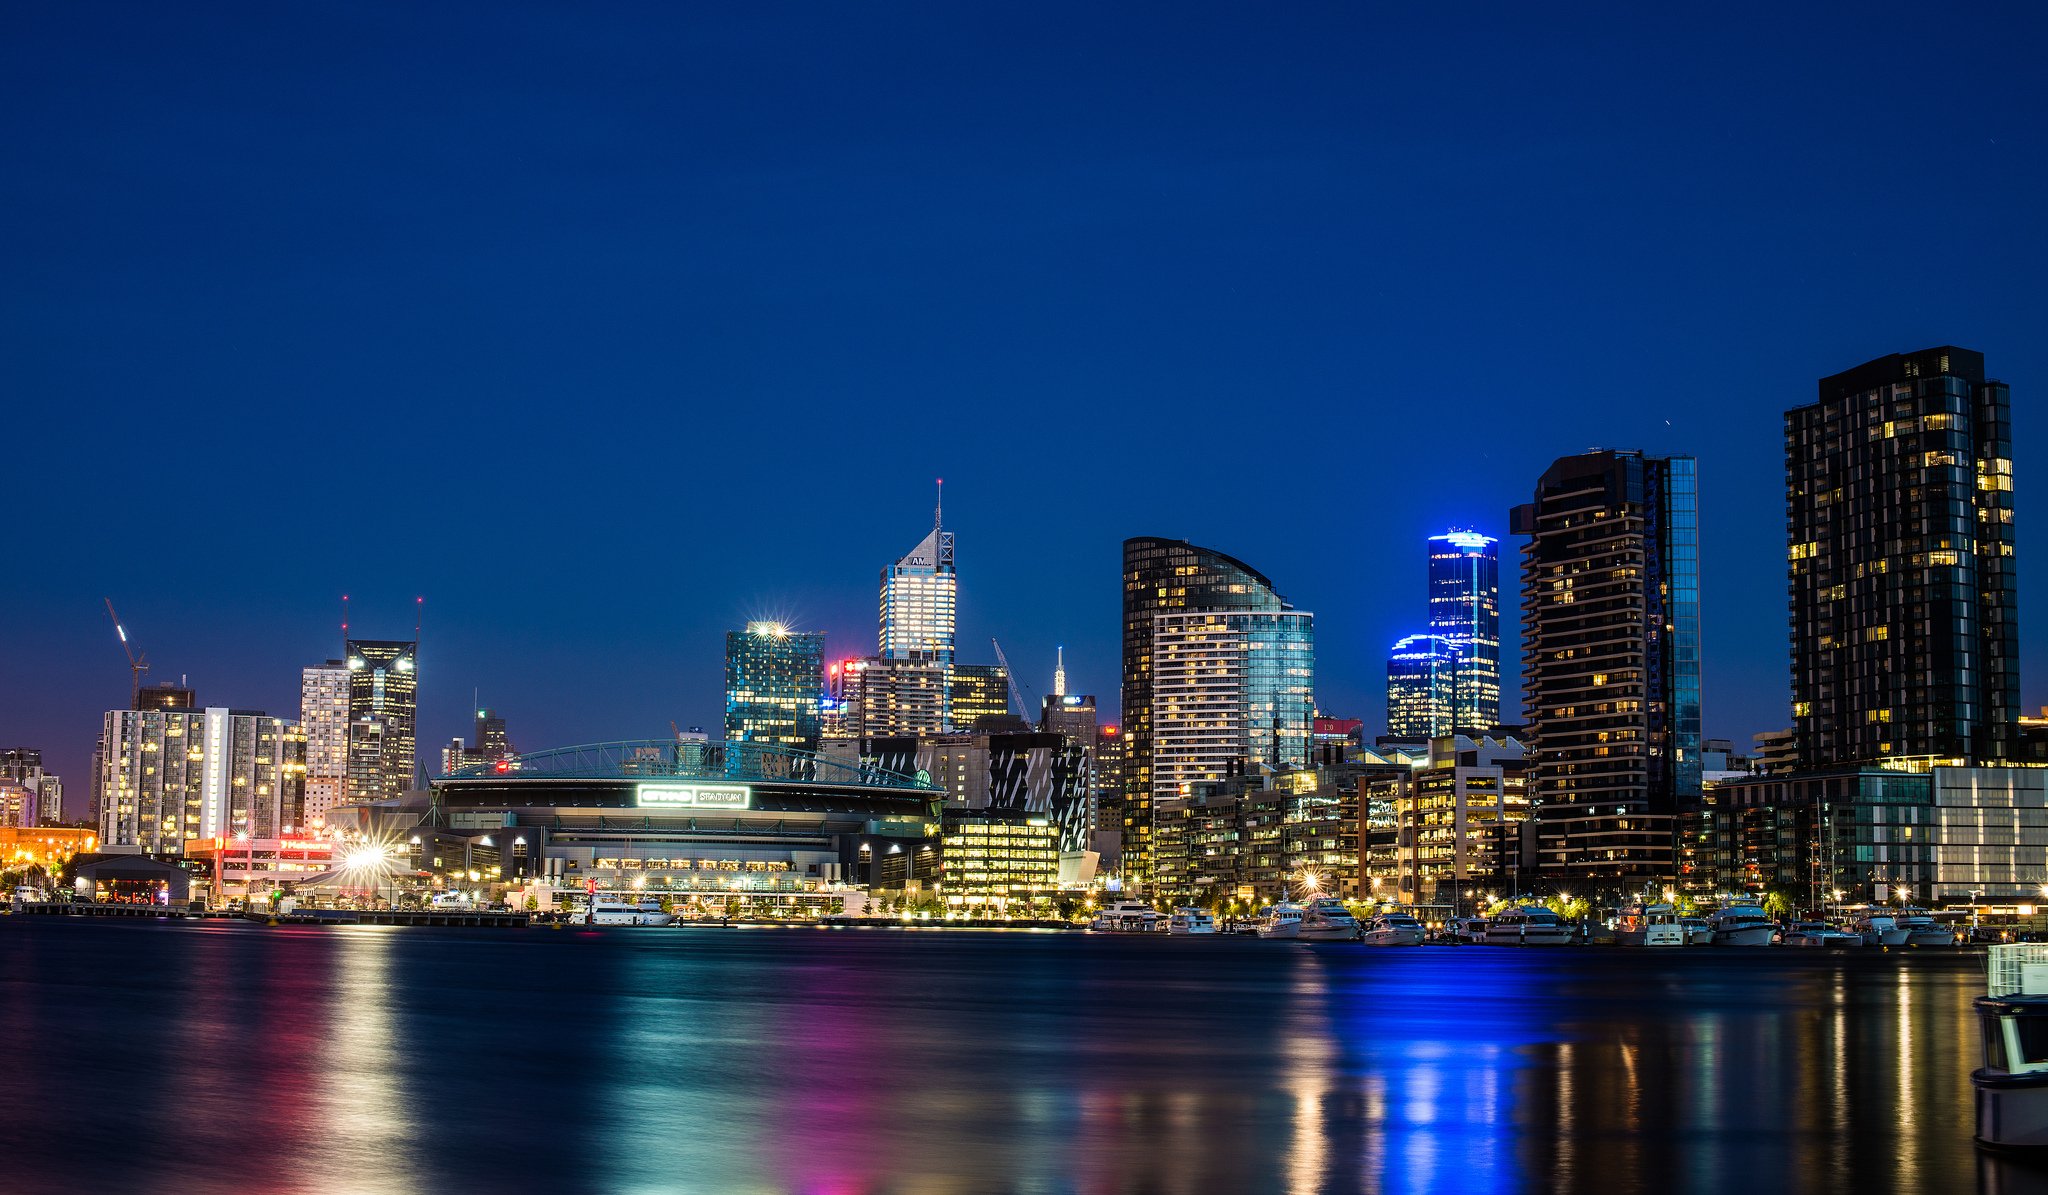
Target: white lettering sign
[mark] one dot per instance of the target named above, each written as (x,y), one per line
(694,796)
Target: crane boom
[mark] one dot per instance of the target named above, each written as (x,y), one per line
(138,662)
(1010,675)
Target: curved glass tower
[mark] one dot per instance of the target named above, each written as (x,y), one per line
(1422,687)
(1464,610)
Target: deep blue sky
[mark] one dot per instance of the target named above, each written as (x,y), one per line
(608,328)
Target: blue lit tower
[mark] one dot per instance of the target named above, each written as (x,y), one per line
(1464,611)
(1422,687)
(774,685)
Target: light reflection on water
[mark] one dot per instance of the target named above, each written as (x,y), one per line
(222,1056)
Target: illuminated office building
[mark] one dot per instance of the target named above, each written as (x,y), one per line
(383,704)
(774,684)
(1232,695)
(878,696)
(1905,638)
(1464,611)
(323,717)
(1423,672)
(173,775)
(24,766)
(1167,576)
(977,691)
(1611,672)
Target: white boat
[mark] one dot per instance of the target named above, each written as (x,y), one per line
(1327,920)
(1742,925)
(1394,929)
(1280,921)
(1820,933)
(1191,921)
(1880,929)
(1126,917)
(618,912)
(1697,931)
(1469,930)
(1923,930)
(1527,925)
(1650,925)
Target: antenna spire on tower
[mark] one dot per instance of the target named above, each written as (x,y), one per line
(344,626)
(939,511)
(1059,674)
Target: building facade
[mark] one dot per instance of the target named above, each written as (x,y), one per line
(24,766)
(1464,611)
(881,696)
(976,691)
(323,719)
(383,714)
(919,599)
(1167,576)
(774,685)
(1611,672)
(1905,640)
(1232,694)
(173,775)
(1422,687)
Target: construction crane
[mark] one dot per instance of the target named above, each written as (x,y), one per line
(1010,674)
(138,662)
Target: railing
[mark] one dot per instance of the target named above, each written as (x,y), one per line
(2018,969)
(692,759)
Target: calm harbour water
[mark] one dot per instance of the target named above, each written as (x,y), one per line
(228,1056)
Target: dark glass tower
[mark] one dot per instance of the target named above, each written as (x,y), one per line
(383,709)
(774,685)
(1167,576)
(1610,625)
(1905,641)
(1464,610)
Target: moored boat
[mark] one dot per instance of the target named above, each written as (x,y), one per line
(1280,921)
(1190,921)
(1527,925)
(1879,928)
(1468,931)
(619,912)
(1820,933)
(1325,919)
(1923,930)
(1650,925)
(1742,925)
(1126,917)
(1394,929)
(1697,931)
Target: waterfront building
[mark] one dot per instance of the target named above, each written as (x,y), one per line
(45,846)
(253,868)
(1452,818)
(323,719)
(1905,640)
(1250,840)
(171,775)
(1611,673)
(383,711)
(1167,576)
(919,599)
(1422,687)
(1232,694)
(24,766)
(996,862)
(976,691)
(1464,611)
(774,685)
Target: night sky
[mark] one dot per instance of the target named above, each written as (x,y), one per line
(609,328)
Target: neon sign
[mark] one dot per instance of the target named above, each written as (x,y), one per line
(694,796)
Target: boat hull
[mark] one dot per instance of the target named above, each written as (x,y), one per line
(1290,930)
(1546,937)
(1389,937)
(1652,935)
(1930,937)
(1748,935)
(1329,933)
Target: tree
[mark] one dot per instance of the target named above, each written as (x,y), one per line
(1684,905)
(1777,905)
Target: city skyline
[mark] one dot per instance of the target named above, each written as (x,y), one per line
(1558,316)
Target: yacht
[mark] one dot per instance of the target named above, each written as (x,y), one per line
(1327,920)
(1880,929)
(1820,933)
(1527,925)
(1923,930)
(1697,931)
(1742,925)
(1394,929)
(1126,917)
(1191,921)
(1281,921)
(620,912)
(1469,931)
(1650,925)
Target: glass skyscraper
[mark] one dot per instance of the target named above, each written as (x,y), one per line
(383,710)
(1464,611)
(1905,639)
(1423,673)
(1167,576)
(774,683)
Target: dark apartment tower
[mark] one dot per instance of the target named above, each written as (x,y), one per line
(1905,640)
(1610,627)
(1167,576)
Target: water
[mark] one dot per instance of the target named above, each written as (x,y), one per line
(223,1056)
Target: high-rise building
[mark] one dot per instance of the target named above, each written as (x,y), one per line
(884,697)
(1072,716)
(918,600)
(493,744)
(977,691)
(24,766)
(173,775)
(1464,610)
(1905,639)
(1423,672)
(1232,695)
(1167,576)
(165,696)
(383,709)
(774,684)
(1611,672)
(323,717)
